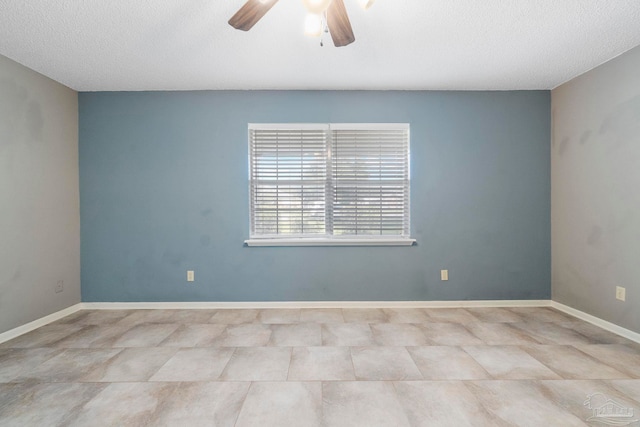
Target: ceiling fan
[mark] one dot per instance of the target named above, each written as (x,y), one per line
(323,15)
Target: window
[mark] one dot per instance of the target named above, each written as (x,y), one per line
(336,184)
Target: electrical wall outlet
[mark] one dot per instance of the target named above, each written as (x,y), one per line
(190,276)
(621,293)
(444,275)
(59,286)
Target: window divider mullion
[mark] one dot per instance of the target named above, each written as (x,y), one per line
(329,184)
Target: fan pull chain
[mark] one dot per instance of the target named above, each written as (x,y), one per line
(325,28)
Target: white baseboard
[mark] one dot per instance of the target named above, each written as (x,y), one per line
(311,304)
(608,326)
(21,330)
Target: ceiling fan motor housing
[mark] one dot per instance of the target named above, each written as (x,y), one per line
(316,6)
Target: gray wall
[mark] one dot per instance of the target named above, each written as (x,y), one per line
(596,191)
(164,189)
(39,206)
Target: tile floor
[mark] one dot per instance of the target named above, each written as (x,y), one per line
(315,367)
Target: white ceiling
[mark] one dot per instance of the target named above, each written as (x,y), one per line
(97,45)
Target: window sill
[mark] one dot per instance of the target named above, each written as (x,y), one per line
(329,242)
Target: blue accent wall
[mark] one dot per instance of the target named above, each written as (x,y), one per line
(163,190)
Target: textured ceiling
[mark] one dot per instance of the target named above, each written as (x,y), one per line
(96,45)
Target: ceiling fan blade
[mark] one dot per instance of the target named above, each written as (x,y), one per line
(250,13)
(339,25)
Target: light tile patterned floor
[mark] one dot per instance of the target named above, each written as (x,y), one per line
(315,367)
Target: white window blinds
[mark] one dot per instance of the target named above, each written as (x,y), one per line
(370,180)
(288,174)
(329,181)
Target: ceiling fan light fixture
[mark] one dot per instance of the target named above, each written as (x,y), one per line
(325,16)
(316,6)
(313,25)
(366,4)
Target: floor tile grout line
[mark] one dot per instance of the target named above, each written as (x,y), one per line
(414,361)
(353,365)
(290,361)
(244,400)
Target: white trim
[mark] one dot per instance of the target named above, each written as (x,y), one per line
(288,126)
(329,242)
(311,304)
(369,126)
(327,126)
(20,330)
(611,327)
(316,149)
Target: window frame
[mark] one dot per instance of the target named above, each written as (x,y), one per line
(329,239)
